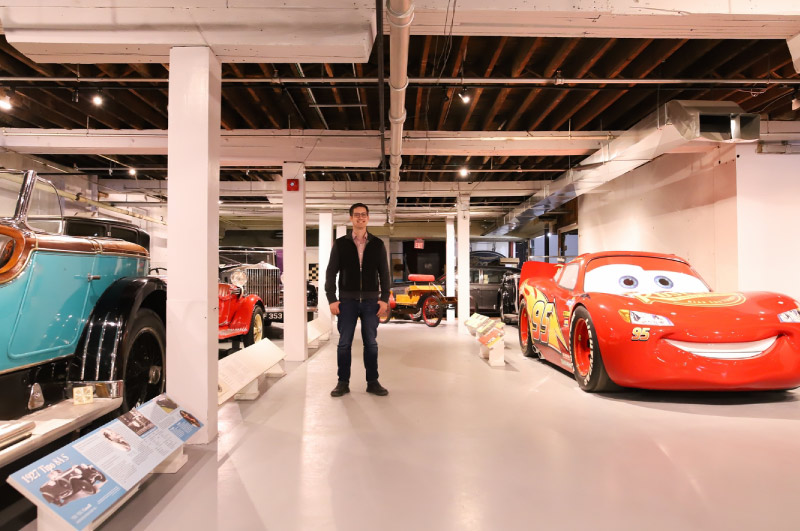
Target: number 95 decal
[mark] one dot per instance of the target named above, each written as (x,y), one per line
(640,334)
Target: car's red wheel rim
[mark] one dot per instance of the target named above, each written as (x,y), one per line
(582,348)
(524,330)
(430,310)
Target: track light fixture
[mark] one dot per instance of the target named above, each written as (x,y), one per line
(75,96)
(131,171)
(463,172)
(98,98)
(796,100)
(464,95)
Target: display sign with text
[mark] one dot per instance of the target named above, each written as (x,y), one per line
(84,479)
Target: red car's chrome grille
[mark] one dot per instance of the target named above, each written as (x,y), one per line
(266,283)
(725,351)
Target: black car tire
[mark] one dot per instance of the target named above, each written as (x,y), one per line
(431,310)
(587,361)
(143,354)
(84,485)
(255,331)
(525,335)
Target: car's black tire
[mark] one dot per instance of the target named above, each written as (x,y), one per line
(431,310)
(525,335)
(502,306)
(84,485)
(255,332)
(587,361)
(143,354)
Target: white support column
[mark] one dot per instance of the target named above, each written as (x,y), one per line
(794,51)
(341,230)
(294,262)
(450,265)
(463,263)
(193,233)
(325,245)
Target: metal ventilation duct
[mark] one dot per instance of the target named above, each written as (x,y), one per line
(400,14)
(671,126)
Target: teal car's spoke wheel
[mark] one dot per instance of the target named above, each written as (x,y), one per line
(143,353)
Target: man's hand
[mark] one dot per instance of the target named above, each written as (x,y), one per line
(335,308)
(383,307)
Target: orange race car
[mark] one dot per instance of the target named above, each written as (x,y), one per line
(648,320)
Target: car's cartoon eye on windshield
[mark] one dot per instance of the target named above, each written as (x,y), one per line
(663,282)
(629,278)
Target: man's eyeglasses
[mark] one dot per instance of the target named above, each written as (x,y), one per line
(359,215)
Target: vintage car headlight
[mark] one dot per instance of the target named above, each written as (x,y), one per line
(792,316)
(649,319)
(7,246)
(239,278)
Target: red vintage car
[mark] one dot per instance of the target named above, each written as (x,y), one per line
(648,320)
(241,316)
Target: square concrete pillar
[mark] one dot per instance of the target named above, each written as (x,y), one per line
(193,234)
(462,208)
(295,301)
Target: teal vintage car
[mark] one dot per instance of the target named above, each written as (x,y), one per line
(72,309)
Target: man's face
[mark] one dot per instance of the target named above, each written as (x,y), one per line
(359,218)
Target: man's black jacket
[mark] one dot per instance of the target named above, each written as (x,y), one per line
(369,280)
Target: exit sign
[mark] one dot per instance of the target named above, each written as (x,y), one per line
(419,243)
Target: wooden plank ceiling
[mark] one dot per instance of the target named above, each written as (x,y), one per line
(429,107)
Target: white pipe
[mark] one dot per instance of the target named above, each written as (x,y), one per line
(400,14)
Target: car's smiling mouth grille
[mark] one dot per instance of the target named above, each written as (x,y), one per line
(726,351)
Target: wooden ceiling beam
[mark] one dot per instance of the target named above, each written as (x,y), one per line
(423,67)
(641,72)
(363,95)
(337,97)
(558,97)
(257,99)
(620,63)
(519,64)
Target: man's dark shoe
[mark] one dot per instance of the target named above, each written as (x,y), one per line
(341,388)
(376,389)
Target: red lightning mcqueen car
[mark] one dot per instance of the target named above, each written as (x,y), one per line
(649,321)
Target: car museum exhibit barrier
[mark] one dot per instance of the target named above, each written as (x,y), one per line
(648,320)
(82,484)
(491,336)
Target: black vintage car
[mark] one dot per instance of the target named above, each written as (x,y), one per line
(64,485)
(508,297)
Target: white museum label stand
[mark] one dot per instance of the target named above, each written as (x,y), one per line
(82,484)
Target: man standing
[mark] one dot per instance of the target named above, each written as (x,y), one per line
(360,260)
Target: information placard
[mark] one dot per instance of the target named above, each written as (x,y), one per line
(84,479)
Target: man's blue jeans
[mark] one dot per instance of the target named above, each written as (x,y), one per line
(349,312)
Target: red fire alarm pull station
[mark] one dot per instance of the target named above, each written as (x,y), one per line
(292,185)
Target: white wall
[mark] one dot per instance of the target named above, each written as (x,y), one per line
(683,204)
(768,206)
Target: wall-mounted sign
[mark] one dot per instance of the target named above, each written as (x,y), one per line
(419,243)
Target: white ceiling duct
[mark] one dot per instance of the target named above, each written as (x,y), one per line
(673,125)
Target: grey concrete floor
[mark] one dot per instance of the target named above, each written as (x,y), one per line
(459,445)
